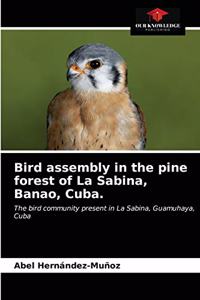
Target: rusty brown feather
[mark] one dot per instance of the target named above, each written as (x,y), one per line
(95,121)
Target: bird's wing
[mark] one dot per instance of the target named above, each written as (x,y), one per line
(140,116)
(54,126)
(50,106)
(63,121)
(57,111)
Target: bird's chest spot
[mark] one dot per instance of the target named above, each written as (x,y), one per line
(106,125)
(99,131)
(97,127)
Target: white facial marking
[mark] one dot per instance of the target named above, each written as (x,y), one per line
(102,79)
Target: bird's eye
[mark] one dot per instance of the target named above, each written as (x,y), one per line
(94,64)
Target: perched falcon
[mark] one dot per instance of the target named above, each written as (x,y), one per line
(97,113)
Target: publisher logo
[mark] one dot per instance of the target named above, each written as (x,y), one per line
(157,21)
(157,14)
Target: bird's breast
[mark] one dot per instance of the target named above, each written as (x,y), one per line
(99,121)
(107,123)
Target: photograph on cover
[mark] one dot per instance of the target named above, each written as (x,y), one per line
(99,90)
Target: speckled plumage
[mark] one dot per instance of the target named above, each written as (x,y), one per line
(96,120)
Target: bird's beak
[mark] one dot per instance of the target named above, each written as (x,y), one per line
(74,71)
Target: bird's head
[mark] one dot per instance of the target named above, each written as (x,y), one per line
(96,68)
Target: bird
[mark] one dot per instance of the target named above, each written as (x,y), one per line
(96,112)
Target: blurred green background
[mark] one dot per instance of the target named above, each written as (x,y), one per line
(164,79)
